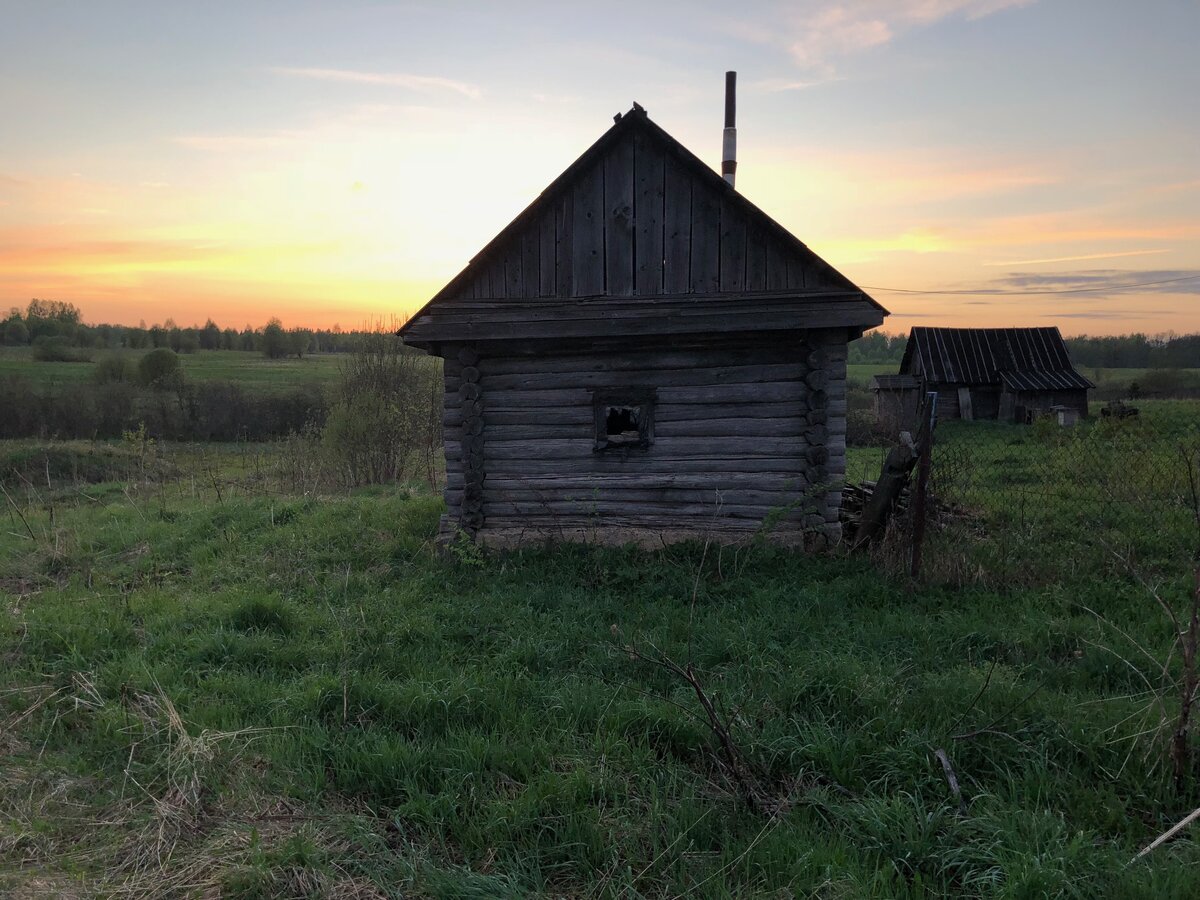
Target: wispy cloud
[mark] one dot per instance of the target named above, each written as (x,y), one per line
(1147,281)
(405,80)
(817,34)
(1058,259)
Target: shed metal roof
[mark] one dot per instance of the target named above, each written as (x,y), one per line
(1019,358)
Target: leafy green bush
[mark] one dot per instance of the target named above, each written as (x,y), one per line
(385,420)
(115,369)
(159,368)
(55,348)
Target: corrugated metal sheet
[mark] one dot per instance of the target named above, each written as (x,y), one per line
(1020,358)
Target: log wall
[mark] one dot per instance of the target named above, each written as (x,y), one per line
(742,431)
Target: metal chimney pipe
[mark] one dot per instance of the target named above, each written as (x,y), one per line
(729,136)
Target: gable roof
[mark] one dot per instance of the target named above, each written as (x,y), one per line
(1029,359)
(629,238)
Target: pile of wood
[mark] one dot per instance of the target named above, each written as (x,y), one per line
(856,498)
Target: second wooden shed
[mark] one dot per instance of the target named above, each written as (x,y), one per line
(643,355)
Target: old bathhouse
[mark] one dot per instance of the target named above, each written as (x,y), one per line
(643,355)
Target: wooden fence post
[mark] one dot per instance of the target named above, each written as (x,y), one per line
(924,459)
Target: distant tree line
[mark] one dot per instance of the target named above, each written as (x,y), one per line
(1127,351)
(58,329)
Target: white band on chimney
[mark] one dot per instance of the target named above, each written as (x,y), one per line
(729,154)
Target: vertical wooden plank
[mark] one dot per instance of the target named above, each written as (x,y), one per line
(795,273)
(587,234)
(733,247)
(648,216)
(677,230)
(776,266)
(618,220)
(546,253)
(513,281)
(496,287)
(706,240)
(756,260)
(563,263)
(530,261)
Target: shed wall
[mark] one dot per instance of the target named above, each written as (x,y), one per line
(742,430)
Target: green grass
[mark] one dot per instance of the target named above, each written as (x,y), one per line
(268,695)
(251,370)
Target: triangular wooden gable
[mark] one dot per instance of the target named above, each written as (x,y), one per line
(638,215)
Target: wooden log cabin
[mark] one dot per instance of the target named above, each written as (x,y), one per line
(643,355)
(1009,374)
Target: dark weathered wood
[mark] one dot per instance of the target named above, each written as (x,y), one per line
(601,508)
(587,234)
(706,240)
(603,463)
(649,161)
(664,377)
(756,260)
(677,229)
(467,356)
(726,394)
(547,253)
(531,255)
(796,274)
(618,221)
(727,481)
(564,215)
(514,282)
(777,278)
(733,247)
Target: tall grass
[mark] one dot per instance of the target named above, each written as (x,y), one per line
(216,689)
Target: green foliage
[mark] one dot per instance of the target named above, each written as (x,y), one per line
(306,694)
(56,348)
(115,369)
(384,423)
(159,368)
(275,344)
(15,332)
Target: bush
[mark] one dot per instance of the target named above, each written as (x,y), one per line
(385,420)
(55,348)
(15,333)
(115,369)
(159,368)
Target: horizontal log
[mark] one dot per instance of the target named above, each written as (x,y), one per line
(765,499)
(788,391)
(696,481)
(636,360)
(602,464)
(663,448)
(697,376)
(601,509)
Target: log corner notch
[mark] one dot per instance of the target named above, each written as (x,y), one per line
(470,518)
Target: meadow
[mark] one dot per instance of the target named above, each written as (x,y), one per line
(217,684)
(250,370)
(227,673)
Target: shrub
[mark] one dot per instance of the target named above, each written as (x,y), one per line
(385,419)
(15,333)
(115,369)
(159,368)
(56,348)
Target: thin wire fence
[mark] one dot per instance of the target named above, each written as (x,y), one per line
(1047,502)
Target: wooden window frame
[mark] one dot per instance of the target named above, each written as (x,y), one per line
(643,398)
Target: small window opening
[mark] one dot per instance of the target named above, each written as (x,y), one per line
(624,418)
(623,424)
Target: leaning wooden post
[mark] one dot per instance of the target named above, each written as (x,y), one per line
(924,459)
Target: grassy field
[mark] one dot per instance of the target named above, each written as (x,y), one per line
(251,370)
(214,688)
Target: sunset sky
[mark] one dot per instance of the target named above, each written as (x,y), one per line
(338,162)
